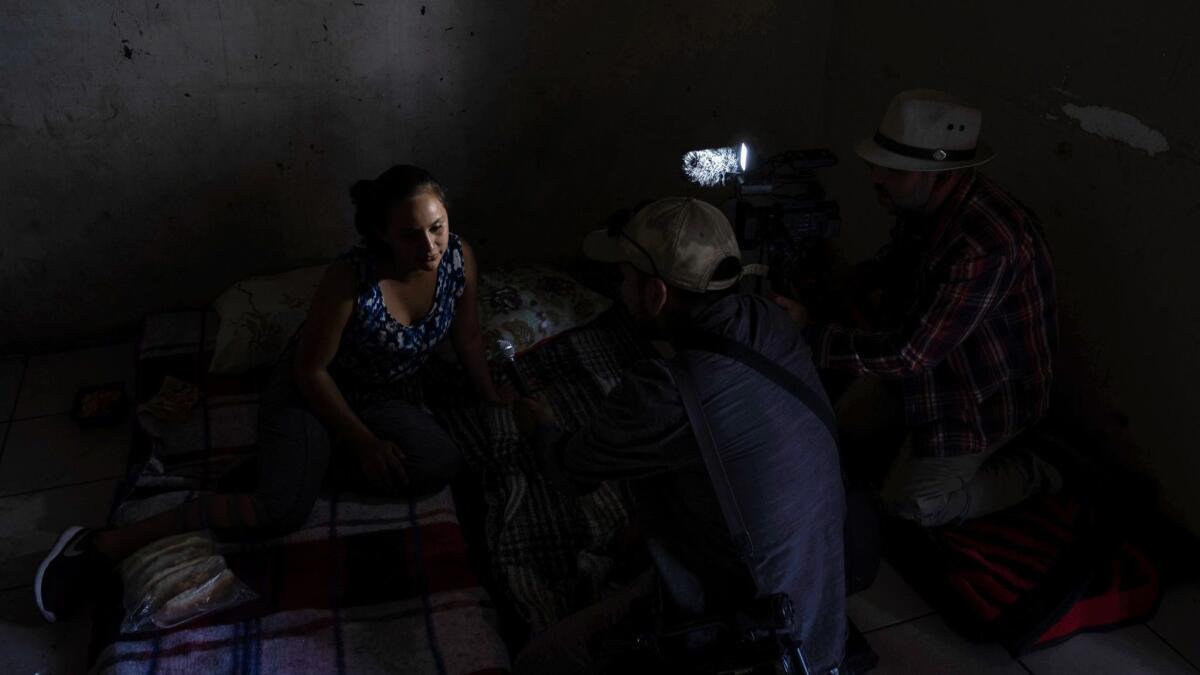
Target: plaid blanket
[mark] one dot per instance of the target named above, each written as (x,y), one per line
(366,585)
(547,551)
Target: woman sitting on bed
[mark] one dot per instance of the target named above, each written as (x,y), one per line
(335,402)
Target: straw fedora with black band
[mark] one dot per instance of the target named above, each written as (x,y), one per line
(926,130)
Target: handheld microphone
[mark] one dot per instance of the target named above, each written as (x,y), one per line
(509,353)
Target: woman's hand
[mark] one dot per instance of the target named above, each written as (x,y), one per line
(466,335)
(382,464)
(502,396)
(529,415)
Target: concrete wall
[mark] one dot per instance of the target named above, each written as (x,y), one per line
(1093,112)
(154,152)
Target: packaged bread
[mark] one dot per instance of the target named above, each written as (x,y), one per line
(152,561)
(166,552)
(196,601)
(178,580)
(175,580)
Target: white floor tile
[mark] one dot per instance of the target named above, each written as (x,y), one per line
(51,380)
(10,381)
(930,647)
(31,523)
(46,452)
(889,600)
(1129,650)
(1178,620)
(30,645)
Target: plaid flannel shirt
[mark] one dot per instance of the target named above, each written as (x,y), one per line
(973,344)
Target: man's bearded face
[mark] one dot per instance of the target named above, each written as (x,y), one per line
(638,296)
(901,191)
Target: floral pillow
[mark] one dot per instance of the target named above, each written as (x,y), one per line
(529,304)
(524,305)
(259,316)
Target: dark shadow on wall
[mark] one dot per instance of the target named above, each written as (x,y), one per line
(224,145)
(602,100)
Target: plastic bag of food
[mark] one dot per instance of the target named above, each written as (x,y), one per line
(148,562)
(177,580)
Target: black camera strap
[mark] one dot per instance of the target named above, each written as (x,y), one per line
(712,459)
(703,432)
(764,366)
(793,660)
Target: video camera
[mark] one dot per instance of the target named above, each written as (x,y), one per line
(780,209)
(752,640)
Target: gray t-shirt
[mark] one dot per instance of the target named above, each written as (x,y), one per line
(781,461)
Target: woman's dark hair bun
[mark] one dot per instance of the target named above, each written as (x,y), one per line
(373,198)
(362,191)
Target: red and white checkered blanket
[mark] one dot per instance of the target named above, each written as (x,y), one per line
(366,585)
(370,585)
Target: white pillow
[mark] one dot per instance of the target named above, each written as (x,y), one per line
(531,304)
(259,316)
(525,305)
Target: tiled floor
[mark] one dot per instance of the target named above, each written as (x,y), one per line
(910,638)
(53,474)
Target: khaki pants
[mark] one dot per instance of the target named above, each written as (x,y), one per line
(935,491)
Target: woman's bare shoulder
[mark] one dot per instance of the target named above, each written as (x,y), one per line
(468,254)
(338,281)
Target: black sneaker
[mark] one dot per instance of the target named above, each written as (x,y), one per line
(70,574)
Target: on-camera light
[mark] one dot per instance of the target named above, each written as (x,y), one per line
(710,167)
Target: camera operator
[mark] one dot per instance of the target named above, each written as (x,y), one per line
(961,356)
(680,265)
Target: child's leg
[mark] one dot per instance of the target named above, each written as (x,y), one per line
(293,450)
(293,453)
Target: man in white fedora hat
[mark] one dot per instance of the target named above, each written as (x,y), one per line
(765,418)
(960,353)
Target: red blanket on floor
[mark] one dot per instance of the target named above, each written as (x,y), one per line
(1029,577)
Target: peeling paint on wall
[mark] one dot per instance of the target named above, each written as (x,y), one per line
(1118,126)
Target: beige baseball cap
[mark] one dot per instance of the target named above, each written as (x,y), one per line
(679,239)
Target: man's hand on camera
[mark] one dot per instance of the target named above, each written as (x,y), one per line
(795,309)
